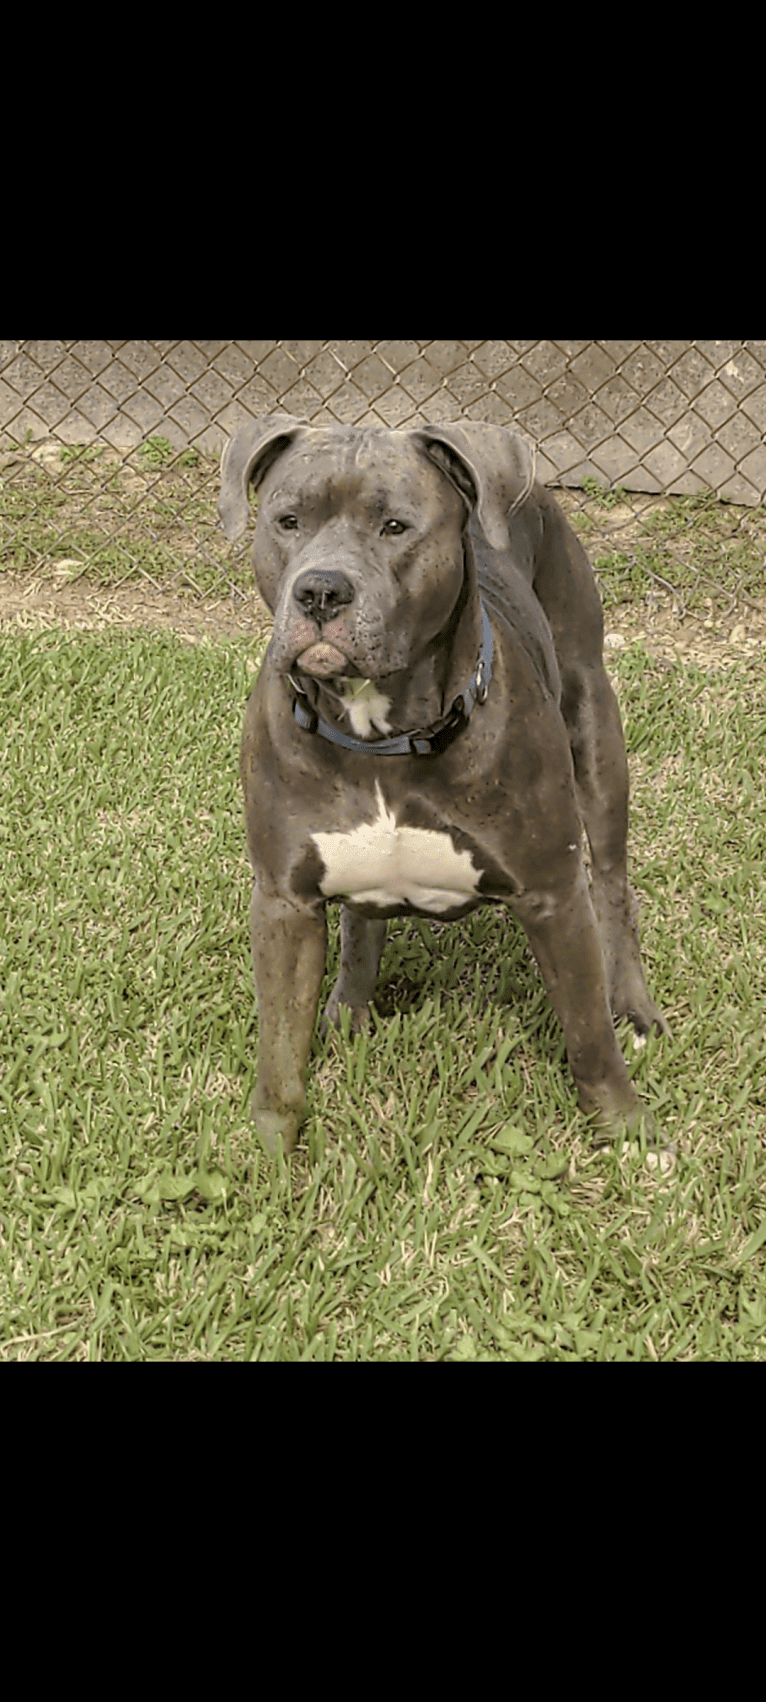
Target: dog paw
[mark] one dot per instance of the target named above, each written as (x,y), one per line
(632,1122)
(360,1016)
(646,1017)
(270,1126)
(615,1112)
(629,996)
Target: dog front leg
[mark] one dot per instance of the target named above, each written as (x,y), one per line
(289,944)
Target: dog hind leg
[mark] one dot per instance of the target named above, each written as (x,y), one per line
(362,942)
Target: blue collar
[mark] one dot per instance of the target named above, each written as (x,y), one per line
(428,741)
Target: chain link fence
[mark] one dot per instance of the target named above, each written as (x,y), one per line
(109,450)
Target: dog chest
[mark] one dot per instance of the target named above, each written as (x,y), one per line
(383,863)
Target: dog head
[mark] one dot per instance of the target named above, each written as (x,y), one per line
(360,544)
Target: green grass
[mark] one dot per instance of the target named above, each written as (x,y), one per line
(445,1201)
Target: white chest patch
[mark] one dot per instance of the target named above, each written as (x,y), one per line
(380,863)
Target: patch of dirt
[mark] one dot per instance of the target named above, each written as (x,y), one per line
(711,641)
(27,603)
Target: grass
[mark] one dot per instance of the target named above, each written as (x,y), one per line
(67,511)
(445,1201)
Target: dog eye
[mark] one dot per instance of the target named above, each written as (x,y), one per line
(288,522)
(393,528)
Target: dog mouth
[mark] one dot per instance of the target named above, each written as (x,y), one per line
(323,660)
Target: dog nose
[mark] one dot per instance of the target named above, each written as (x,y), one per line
(321,592)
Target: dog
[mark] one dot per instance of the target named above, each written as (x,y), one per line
(430,730)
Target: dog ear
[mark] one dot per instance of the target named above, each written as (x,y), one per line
(493,468)
(245,460)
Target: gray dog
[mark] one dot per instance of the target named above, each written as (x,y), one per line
(431,727)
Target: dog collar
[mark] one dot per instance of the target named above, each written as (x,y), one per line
(426,741)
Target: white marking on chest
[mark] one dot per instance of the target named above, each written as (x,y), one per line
(381,863)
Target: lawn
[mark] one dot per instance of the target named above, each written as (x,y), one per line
(445,1201)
